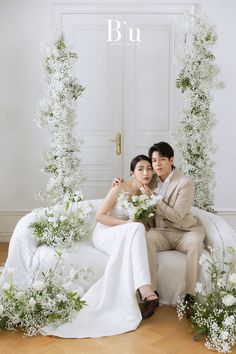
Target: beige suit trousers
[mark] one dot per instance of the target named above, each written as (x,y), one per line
(188,242)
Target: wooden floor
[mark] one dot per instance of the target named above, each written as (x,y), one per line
(161,334)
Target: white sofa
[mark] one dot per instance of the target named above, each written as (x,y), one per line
(25,256)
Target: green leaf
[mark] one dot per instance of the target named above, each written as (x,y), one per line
(183,82)
(3,322)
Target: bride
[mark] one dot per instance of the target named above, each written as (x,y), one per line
(112,303)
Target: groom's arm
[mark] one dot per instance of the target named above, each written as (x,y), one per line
(182,204)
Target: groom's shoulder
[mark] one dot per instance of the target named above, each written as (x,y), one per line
(183,178)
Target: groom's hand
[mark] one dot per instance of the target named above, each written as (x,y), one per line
(116,181)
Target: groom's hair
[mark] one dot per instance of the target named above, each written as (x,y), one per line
(164,149)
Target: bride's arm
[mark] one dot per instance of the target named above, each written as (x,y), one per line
(106,206)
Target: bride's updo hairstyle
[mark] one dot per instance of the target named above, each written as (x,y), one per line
(138,158)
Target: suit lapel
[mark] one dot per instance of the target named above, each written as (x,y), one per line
(172,185)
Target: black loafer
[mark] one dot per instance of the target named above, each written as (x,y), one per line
(189,299)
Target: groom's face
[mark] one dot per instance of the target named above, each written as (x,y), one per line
(162,166)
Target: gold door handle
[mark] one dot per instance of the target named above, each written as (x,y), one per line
(117,140)
(118,143)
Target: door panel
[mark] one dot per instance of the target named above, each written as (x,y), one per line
(100,108)
(149,85)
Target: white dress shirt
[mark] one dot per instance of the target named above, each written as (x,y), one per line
(161,188)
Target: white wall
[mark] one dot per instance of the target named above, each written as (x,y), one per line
(23,25)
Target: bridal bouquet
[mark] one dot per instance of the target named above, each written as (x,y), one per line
(214,309)
(62,224)
(43,302)
(139,207)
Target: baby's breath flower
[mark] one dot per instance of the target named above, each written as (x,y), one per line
(32,302)
(1,309)
(57,113)
(61,226)
(198,75)
(214,310)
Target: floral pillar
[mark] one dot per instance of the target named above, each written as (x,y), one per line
(193,137)
(57,113)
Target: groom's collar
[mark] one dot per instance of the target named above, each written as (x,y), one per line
(168,178)
(173,182)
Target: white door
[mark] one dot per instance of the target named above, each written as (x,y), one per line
(130,86)
(151,100)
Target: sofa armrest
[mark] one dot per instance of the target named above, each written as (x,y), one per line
(219,234)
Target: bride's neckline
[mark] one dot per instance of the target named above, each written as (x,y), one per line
(134,189)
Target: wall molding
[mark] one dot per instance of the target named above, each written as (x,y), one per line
(225,212)
(59,9)
(5,236)
(229,216)
(9,219)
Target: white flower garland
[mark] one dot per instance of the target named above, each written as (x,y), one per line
(196,78)
(64,222)
(57,113)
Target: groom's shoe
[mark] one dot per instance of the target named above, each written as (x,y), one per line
(157,294)
(189,299)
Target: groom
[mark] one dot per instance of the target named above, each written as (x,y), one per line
(176,228)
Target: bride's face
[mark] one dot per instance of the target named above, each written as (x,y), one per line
(143,172)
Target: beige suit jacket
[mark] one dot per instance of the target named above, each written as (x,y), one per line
(174,210)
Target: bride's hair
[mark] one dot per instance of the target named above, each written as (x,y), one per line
(138,158)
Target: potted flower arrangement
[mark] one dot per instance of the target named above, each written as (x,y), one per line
(213,311)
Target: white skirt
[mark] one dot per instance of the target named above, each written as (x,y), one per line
(112,306)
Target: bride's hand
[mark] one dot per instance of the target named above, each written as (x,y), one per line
(116,181)
(146,190)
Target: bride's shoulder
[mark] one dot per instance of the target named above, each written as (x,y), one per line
(121,187)
(124,185)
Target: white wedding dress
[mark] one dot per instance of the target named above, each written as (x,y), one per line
(112,307)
